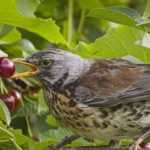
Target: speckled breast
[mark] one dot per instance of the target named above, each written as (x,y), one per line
(122,120)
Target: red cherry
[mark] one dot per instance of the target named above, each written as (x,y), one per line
(7,67)
(9,100)
(12,100)
(17,95)
(145,146)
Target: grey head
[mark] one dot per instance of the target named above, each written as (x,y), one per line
(58,67)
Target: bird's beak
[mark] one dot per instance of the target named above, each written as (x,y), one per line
(29,73)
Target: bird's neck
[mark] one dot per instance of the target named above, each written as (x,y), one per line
(77,68)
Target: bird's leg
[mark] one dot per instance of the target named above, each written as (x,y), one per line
(66,140)
(137,143)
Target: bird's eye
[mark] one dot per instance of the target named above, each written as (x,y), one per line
(45,62)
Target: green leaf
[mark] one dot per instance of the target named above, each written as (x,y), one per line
(12,36)
(27,7)
(126,141)
(117,42)
(18,49)
(9,144)
(13,50)
(28,143)
(58,134)
(88,4)
(52,121)
(47,8)
(8,140)
(16,145)
(27,47)
(29,107)
(144,25)
(5,134)
(20,138)
(4,113)
(4,29)
(121,15)
(45,28)
(147,10)
(42,106)
(83,50)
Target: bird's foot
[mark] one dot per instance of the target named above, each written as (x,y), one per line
(66,140)
(139,141)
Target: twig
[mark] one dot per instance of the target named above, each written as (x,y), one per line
(81,22)
(70,21)
(84,148)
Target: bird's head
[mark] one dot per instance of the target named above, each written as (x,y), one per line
(55,67)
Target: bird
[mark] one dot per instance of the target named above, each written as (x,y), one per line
(95,98)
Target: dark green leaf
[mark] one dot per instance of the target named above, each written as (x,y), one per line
(47,8)
(13,35)
(121,15)
(119,41)
(4,29)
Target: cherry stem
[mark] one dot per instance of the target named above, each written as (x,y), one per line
(3,89)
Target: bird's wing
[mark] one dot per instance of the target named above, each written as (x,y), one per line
(112,82)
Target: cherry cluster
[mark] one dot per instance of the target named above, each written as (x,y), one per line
(12,99)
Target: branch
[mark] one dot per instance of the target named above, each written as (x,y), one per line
(70,21)
(85,148)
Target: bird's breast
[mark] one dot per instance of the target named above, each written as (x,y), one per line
(121,120)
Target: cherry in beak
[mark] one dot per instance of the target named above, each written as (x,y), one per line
(28,73)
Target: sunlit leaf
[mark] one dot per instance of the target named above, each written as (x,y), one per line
(52,121)
(117,42)
(147,10)
(120,15)
(27,7)
(45,28)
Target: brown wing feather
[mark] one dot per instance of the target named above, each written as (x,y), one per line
(111,82)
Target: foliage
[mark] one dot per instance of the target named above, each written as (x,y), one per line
(89,28)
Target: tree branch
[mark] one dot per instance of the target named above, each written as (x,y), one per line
(84,148)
